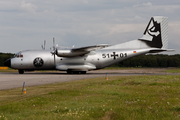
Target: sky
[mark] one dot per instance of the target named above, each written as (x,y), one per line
(25,24)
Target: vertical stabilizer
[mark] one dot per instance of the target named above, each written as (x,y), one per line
(156,33)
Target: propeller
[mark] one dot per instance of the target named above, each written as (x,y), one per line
(54,51)
(43,47)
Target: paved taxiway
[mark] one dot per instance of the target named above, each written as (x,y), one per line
(15,80)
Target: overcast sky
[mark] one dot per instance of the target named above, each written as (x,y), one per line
(25,24)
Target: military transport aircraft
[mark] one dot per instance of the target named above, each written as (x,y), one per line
(81,60)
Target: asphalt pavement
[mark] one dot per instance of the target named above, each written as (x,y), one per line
(14,80)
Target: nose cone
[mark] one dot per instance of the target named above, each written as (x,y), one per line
(8,63)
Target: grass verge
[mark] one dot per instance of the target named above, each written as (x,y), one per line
(128,97)
(118,68)
(174,70)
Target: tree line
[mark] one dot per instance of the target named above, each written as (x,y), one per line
(4,57)
(150,60)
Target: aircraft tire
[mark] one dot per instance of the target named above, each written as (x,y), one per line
(76,72)
(21,71)
(69,72)
(83,72)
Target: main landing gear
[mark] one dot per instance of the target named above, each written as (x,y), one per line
(76,72)
(21,71)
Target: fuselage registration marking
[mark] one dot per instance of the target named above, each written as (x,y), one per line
(114,55)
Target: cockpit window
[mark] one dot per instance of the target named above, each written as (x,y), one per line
(18,55)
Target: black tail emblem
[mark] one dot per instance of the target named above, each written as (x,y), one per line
(153,34)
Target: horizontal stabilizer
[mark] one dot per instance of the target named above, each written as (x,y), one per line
(161,50)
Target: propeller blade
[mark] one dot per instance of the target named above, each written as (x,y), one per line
(54,51)
(54,44)
(54,60)
(44,44)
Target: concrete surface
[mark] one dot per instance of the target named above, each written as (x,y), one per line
(15,80)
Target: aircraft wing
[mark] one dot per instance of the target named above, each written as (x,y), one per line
(90,48)
(79,51)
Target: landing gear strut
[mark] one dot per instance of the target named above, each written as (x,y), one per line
(21,71)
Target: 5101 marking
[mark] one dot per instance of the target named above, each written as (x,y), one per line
(114,55)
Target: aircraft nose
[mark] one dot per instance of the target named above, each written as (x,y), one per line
(8,63)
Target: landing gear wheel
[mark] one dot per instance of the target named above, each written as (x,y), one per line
(83,72)
(21,71)
(69,72)
(76,72)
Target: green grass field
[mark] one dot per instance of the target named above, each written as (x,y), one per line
(134,97)
(175,70)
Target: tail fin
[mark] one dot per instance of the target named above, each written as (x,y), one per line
(156,33)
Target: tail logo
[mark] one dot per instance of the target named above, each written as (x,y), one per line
(152,34)
(153,28)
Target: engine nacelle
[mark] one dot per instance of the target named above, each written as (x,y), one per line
(69,53)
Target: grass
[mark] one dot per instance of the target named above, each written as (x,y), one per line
(140,97)
(118,68)
(174,70)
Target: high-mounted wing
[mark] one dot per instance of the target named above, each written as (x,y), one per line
(79,51)
(90,48)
